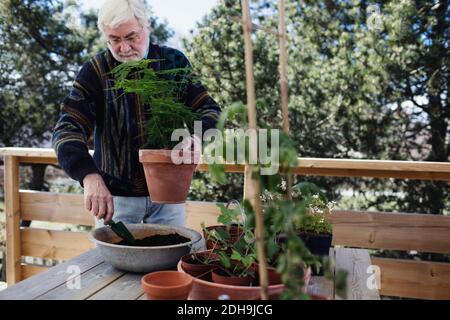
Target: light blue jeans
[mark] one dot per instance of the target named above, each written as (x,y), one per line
(142,210)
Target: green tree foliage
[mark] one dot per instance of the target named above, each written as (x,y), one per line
(43,44)
(38,51)
(367,79)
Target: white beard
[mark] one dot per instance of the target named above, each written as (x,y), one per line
(132,55)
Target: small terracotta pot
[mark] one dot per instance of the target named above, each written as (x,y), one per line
(167,182)
(167,285)
(196,268)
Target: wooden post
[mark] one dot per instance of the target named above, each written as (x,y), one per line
(12,210)
(284,86)
(255,189)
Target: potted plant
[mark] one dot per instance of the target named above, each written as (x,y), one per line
(230,228)
(200,264)
(314,228)
(236,272)
(282,215)
(236,262)
(233,272)
(233,244)
(168,171)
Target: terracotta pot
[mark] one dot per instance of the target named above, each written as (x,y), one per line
(167,182)
(167,285)
(221,276)
(196,268)
(272,274)
(207,290)
(306,280)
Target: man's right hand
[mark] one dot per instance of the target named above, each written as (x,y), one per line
(97,198)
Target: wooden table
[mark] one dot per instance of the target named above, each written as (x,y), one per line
(98,280)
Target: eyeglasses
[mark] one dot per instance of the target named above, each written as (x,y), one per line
(133,38)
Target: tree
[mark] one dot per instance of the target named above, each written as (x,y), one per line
(368,79)
(43,44)
(38,52)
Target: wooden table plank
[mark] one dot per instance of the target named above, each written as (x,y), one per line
(356,263)
(320,286)
(127,287)
(38,285)
(91,282)
(142,297)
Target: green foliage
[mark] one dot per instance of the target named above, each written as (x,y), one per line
(162,90)
(229,216)
(361,84)
(42,45)
(281,217)
(315,221)
(211,191)
(235,248)
(39,52)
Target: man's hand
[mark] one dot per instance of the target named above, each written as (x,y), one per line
(97,198)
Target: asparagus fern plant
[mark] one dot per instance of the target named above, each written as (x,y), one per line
(162,92)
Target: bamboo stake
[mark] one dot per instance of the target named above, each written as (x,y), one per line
(283,66)
(284,86)
(251,102)
(12,210)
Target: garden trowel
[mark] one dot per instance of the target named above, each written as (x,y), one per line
(122,231)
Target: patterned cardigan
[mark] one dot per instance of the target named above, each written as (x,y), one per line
(115,120)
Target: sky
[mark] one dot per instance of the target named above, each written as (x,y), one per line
(181,15)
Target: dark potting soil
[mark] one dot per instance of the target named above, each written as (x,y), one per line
(158,240)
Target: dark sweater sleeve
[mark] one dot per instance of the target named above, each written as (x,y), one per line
(76,124)
(197,97)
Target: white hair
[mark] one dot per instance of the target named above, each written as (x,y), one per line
(115,12)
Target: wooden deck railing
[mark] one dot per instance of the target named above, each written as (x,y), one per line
(395,231)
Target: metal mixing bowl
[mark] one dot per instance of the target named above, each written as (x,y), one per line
(143,259)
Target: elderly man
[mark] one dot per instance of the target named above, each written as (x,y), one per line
(113,180)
